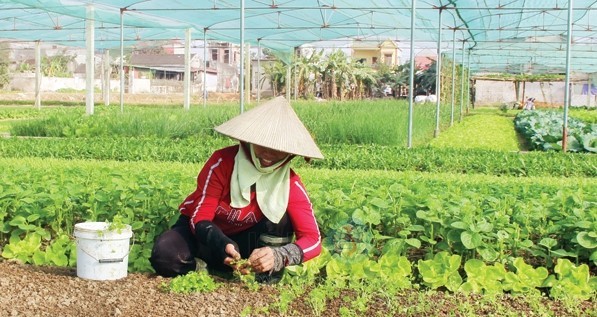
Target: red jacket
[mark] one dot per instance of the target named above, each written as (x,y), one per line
(211,201)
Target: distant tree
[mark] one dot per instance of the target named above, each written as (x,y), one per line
(57,66)
(276,73)
(4,71)
(364,76)
(425,81)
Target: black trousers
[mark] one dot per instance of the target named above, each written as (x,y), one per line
(175,250)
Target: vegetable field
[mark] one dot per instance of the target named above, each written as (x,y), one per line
(472,213)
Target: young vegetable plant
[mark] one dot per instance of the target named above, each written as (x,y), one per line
(526,279)
(192,282)
(394,270)
(571,281)
(442,270)
(483,279)
(242,271)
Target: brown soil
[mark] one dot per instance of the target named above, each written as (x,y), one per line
(51,291)
(29,290)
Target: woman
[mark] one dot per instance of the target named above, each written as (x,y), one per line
(248,202)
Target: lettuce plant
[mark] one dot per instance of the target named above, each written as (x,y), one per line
(571,281)
(526,279)
(440,271)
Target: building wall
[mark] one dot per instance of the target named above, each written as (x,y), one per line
(389,49)
(367,54)
(257,75)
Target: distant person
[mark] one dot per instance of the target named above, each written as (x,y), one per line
(529,104)
(248,203)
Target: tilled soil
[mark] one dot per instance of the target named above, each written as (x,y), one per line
(52,291)
(28,290)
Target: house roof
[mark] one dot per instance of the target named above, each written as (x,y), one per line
(423,62)
(166,62)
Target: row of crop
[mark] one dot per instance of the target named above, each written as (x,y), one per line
(18,112)
(363,214)
(363,122)
(544,131)
(482,130)
(341,157)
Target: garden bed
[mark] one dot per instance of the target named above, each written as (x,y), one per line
(54,291)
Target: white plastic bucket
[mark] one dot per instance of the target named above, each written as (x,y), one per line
(102,253)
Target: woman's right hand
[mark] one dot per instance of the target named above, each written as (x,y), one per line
(232,259)
(233,255)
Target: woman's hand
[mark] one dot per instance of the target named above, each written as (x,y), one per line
(233,255)
(262,259)
(235,262)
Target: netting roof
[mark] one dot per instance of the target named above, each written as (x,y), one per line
(523,36)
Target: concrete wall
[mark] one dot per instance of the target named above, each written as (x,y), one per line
(25,82)
(489,92)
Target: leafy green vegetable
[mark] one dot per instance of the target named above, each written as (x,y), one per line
(192,282)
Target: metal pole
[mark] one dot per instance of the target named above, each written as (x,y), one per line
(411,78)
(187,69)
(453,77)
(38,75)
(589,91)
(567,86)
(248,73)
(295,57)
(122,60)
(107,72)
(438,74)
(89,60)
(288,78)
(258,71)
(242,52)
(461,85)
(204,68)
(468,81)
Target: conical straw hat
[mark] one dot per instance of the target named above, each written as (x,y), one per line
(274,125)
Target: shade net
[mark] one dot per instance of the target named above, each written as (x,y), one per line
(527,36)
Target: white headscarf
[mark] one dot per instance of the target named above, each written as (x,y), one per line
(272,184)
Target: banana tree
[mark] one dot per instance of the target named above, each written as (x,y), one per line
(276,74)
(337,66)
(308,69)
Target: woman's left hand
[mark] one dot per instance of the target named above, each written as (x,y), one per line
(262,259)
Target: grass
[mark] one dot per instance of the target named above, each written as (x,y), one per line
(486,130)
(382,122)
(586,115)
(5,126)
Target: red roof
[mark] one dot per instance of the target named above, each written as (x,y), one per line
(423,62)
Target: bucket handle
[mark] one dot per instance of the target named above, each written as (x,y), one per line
(113,260)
